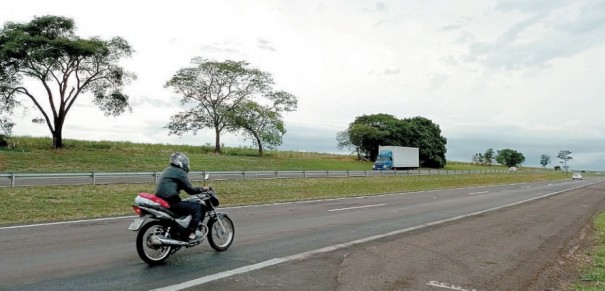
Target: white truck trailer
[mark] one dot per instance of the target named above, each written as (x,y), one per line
(396,157)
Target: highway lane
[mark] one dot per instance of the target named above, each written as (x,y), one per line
(100,254)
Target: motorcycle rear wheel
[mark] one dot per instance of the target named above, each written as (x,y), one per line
(149,252)
(220,239)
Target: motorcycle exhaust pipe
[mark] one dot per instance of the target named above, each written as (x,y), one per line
(168,242)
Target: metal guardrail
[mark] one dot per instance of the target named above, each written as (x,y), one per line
(105,178)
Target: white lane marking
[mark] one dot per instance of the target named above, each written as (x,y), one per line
(304,255)
(356,207)
(447,286)
(481,192)
(525,187)
(65,222)
(206,279)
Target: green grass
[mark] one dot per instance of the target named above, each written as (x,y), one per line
(38,204)
(593,274)
(34,155)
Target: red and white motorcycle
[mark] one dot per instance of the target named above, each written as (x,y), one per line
(161,232)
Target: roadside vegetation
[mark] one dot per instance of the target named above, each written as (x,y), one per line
(34,155)
(593,273)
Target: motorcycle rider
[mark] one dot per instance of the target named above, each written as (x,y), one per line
(174,179)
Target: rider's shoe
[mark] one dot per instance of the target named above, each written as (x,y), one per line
(194,237)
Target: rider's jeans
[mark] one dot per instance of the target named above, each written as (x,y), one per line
(187,207)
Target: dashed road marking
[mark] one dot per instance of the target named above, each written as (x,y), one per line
(448,286)
(356,207)
(474,193)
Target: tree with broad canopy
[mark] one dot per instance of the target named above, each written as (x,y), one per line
(510,158)
(263,123)
(222,96)
(368,132)
(48,51)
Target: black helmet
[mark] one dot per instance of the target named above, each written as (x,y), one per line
(180,160)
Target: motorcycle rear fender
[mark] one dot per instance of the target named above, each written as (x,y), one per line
(147,218)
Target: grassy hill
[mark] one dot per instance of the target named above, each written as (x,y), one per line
(36,155)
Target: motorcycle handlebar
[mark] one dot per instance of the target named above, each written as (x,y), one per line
(206,194)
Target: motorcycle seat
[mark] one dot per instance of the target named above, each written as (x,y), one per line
(155,199)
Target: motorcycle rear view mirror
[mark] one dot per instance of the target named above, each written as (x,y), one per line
(206,176)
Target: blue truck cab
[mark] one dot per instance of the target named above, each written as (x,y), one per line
(384,161)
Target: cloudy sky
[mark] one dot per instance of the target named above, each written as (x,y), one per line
(519,74)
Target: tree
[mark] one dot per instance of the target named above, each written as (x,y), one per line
(510,158)
(564,155)
(544,160)
(488,157)
(422,133)
(6,128)
(213,92)
(6,125)
(48,51)
(478,159)
(263,124)
(368,132)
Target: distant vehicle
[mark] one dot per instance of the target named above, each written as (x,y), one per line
(512,169)
(396,157)
(576,176)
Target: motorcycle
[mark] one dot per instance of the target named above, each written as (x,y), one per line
(161,232)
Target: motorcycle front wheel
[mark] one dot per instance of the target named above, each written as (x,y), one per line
(220,235)
(150,249)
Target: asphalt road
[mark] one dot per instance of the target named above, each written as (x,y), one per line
(468,238)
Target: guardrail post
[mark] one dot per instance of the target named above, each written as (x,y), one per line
(244,175)
(155,177)
(12,179)
(276,174)
(328,173)
(366,173)
(305,174)
(94,178)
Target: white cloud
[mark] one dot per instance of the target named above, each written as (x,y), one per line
(520,74)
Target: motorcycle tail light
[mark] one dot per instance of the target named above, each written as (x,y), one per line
(137,210)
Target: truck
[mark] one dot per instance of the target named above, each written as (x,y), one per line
(396,157)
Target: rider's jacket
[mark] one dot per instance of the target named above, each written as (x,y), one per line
(171,182)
